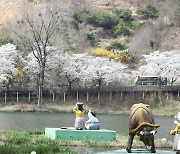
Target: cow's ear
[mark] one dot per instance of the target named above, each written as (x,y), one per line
(153,132)
(141,132)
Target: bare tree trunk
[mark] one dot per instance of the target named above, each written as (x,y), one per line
(40,86)
(39,95)
(70,86)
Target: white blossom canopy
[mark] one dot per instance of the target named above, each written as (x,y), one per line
(165,64)
(8,54)
(81,66)
(88,68)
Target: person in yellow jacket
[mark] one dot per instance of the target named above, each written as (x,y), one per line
(177,123)
(176,133)
(79,112)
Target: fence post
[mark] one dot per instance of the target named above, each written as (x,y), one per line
(133,95)
(98,95)
(143,95)
(110,96)
(87,96)
(121,95)
(53,97)
(77,96)
(167,96)
(155,93)
(64,97)
(29,98)
(17,97)
(5,97)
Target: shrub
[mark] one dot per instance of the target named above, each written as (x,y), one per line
(137,25)
(126,15)
(92,38)
(75,25)
(115,45)
(126,57)
(103,19)
(149,12)
(177,15)
(104,52)
(80,15)
(5,41)
(121,29)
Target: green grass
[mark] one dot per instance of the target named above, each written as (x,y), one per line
(28,141)
(25,142)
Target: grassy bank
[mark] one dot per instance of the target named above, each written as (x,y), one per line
(16,142)
(163,109)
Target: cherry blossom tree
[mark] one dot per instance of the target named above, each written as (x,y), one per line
(90,68)
(36,30)
(165,64)
(79,67)
(102,69)
(9,55)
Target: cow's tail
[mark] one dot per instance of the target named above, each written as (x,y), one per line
(142,125)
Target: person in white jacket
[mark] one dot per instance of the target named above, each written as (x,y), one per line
(93,122)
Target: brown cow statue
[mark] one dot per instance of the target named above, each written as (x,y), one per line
(141,123)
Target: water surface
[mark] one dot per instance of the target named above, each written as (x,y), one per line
(39,121)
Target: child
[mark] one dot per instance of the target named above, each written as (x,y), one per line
(93,122)
(79,112)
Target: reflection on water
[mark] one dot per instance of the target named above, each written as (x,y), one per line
(39,121)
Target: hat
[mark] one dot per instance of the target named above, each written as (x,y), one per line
(79,103)
(93,112)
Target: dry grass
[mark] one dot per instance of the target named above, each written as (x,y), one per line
(169,109)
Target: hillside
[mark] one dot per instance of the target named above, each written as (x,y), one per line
(171,37)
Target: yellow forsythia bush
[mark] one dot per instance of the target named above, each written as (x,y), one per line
(106,53)
(126,57)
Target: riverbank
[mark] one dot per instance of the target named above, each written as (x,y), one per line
(60,108)
(169,109)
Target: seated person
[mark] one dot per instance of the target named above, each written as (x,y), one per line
(93,122)
(79,112)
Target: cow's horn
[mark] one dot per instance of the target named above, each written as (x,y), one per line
(144,124)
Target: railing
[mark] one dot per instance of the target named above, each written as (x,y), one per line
(116,87)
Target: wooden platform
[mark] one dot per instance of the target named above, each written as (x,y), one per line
(123,151)
(71,134)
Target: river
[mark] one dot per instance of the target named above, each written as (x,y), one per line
(39,121)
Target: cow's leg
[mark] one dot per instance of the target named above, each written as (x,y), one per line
(130,141)
(153,150)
